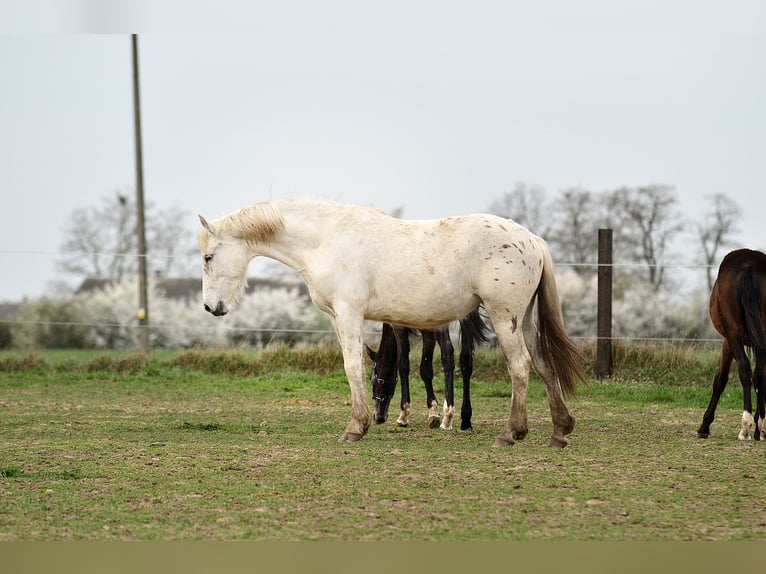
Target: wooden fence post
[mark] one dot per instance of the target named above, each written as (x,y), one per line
(604,313)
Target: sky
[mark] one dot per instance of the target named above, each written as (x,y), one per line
(436,108)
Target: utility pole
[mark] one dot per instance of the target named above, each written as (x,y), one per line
(604,313)
(143,304)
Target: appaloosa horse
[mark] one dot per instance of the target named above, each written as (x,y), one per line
(739,315)
(393,355)
(352,260)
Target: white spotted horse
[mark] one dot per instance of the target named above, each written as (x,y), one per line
(360,263)
(738,313)
(393,356)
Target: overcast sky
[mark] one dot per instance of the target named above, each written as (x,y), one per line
(437,108)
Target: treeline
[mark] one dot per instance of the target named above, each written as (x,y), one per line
(649,228)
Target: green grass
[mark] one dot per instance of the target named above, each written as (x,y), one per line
(244,445)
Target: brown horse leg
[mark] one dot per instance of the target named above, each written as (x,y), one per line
(719,384)
(759,382)
(746,378)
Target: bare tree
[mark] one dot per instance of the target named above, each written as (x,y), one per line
(527,205)
(101,241)
(574,236)
(716,230)
(648,221)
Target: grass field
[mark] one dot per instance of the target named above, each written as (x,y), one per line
(230,446)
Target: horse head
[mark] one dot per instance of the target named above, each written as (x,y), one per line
(382,388)
(224,267)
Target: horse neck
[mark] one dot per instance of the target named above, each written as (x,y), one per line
(303,232)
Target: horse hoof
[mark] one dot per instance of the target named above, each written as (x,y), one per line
(402,425)
(503,440)
(520,434)
(350,437)
(557,442)
(465,426)
(702,434)
(434,422)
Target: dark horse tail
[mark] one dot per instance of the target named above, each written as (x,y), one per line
(473,329)
(559,352)
(749,298)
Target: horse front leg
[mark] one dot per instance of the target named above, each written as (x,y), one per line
(403,362)
(447,352)
(719,384)
(350,333)
(427,375)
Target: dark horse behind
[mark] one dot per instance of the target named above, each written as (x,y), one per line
(738,314)
(393,356)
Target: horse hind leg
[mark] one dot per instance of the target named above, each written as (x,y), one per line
(759,382)
(517,358)
(563,420)
(746,378)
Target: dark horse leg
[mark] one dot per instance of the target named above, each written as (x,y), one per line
(427,374)
(447,352)
(737,353)
(759,383)
(746,378)
(719,384)
(403,346)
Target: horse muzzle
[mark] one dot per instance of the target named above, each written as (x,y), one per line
(218,311)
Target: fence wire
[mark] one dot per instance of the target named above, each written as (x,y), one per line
(329,332)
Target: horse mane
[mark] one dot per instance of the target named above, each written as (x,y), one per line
(257,223)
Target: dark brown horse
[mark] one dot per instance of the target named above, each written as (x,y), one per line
(738,314)
(393,356)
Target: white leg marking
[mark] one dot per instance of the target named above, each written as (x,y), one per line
(449,413)
(748,425)
(404,416)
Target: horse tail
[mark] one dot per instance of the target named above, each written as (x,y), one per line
(749,298)
(558,351)
(473,329)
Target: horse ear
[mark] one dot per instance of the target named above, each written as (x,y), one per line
(207,225)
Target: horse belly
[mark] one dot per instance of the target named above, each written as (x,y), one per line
(421,309)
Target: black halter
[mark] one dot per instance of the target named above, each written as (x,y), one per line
(385,386)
